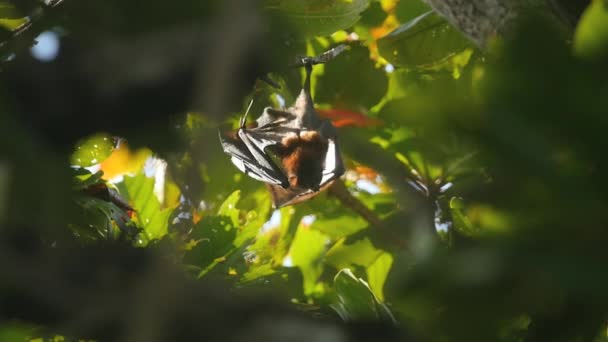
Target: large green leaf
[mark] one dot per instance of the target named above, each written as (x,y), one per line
(377,273)
(461,222)
(376,262)
(356,301)
(93,150)
(424,41)
(591,37)
(214,236)
(307,251)
(318,17)
(139,190)
(361,253)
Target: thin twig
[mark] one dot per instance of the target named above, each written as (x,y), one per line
(322,58)
(339,190)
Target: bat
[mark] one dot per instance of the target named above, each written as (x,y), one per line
(292,150)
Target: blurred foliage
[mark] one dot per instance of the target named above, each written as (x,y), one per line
(474,203)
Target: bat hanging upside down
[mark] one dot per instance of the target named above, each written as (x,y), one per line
(292,150)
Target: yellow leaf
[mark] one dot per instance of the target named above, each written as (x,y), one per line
(124,161)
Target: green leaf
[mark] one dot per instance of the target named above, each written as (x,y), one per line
(423,42)
(139,191)
(228,208)
(356,301)
(255,219)
(92,150)
(257,271)
(461,222)
(339,225)
(307,251)
(83,178)
(361,253)
(591,36)
(95,217)
(215,235)
(377,273)
(376,262)
(12,24)
(318,17)
(273,245)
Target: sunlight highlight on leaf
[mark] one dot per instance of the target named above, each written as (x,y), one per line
(124,161)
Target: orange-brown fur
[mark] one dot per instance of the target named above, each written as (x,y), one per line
(303,158)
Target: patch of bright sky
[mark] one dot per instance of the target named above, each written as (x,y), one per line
(47,47)
(287,261)
(280,100)
(274,221)
(446,186)
(308,220)
(368,186)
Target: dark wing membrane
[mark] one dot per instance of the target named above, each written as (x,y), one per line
(252,160)
(283,197)
(274,117)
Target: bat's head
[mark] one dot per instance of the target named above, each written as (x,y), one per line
(303,159)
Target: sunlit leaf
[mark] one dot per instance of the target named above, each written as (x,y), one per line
(361,253)
(461,222)
(214,235)
(255,219)
(12,24)
(124,161)
(228,208)
(139,191)
(256,272)
(377,273)
(274,243)
(315,17)
(422,42)
(93,150)
(172,194)
(591,36)
(307,251)
(356,301)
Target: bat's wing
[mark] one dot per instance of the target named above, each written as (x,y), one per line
(289,196)
(272,118)
(248,156)
(282,197)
